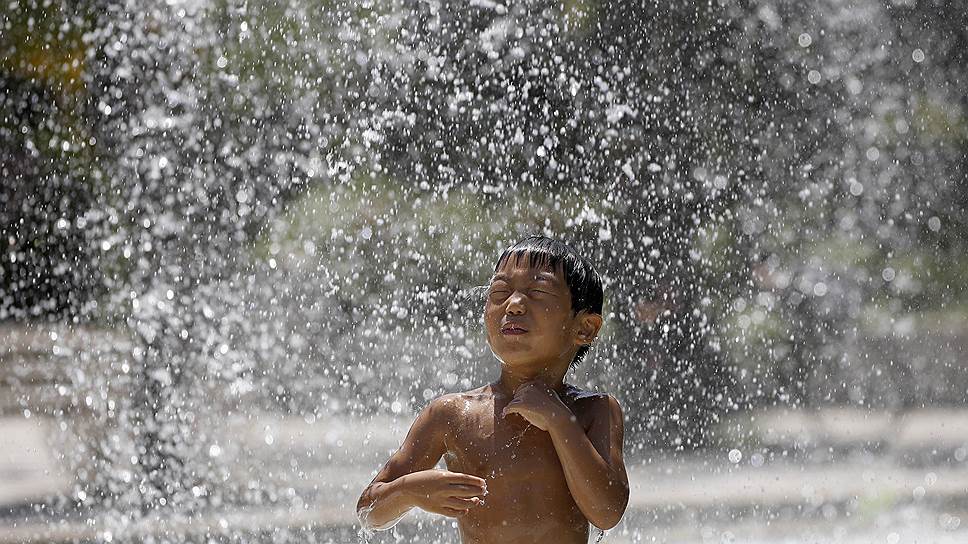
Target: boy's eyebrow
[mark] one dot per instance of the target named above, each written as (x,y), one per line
(546,276)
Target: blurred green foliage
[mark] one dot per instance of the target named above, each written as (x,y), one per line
(48,161)
(371,226)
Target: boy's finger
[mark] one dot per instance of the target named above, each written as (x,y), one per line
(467,483)
(453,512)
(467,492)
(469,479)
(460,503)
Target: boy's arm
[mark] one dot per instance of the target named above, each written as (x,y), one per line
(406,480)
(593,464)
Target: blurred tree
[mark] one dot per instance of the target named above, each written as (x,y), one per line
(864,202)
(50,264)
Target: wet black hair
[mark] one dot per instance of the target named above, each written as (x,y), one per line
(580,275)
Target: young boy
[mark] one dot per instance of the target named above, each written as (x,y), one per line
(547,454)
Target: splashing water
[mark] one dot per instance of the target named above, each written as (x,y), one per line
(215,212)
(515,440)
(365,533)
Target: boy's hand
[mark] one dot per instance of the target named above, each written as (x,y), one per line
(537,403)
(443,492)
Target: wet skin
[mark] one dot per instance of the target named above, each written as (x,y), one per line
(528,498)
(549,454)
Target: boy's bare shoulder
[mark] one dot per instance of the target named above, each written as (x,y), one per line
(452,403)
(484,392)
(449,405)
(442,407)
(590,400)
(576,393)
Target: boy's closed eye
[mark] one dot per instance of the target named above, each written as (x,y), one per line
(503,293)
(539,284)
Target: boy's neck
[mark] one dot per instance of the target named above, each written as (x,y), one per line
(511,379)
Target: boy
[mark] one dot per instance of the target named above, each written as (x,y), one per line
(547,454)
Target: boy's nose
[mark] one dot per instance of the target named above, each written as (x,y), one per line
(515,305)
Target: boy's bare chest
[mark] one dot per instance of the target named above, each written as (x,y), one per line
(528,494)
(495,447)
(503,448)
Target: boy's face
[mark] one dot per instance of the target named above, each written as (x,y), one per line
(528,316)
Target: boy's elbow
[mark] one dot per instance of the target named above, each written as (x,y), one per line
(605,526)
(608,518)
(369,526)
(371,518)
(367,522)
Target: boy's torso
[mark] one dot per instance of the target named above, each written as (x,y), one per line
(528,498)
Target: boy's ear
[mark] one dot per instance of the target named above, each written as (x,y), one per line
(588,326)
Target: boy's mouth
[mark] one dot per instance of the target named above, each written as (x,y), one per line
(512,328)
